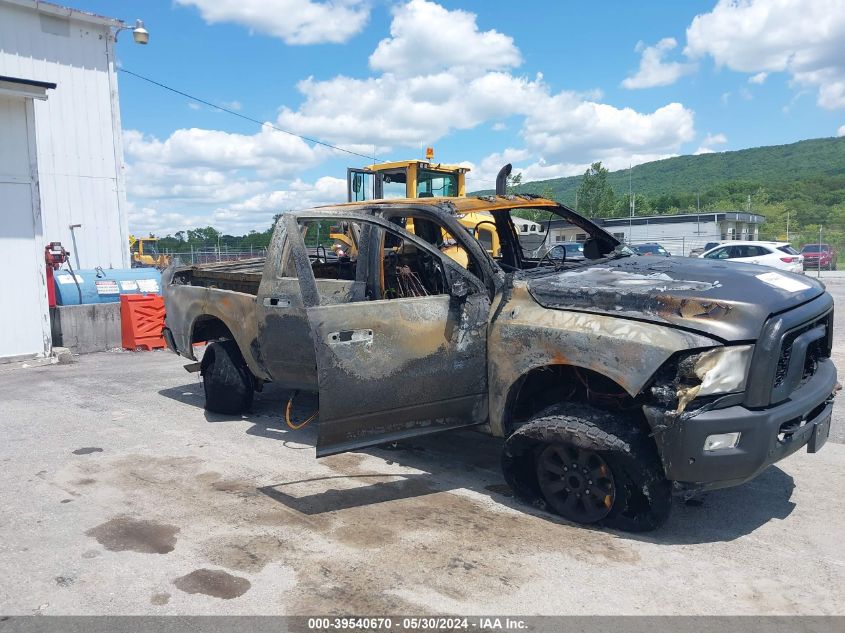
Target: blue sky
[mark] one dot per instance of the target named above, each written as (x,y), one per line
(549,86)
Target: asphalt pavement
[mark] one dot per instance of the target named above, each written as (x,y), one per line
(121,495)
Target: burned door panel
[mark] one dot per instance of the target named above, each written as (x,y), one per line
(284,335)
(283,332)
(393,369)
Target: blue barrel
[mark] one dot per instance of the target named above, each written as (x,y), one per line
(105,285)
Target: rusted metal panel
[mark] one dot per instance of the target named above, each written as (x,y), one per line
(526,336)
(185,304)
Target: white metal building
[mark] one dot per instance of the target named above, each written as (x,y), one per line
(61,158)
(677,233)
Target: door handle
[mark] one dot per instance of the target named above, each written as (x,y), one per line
(349,336)
(276,302)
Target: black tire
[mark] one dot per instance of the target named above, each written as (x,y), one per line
(640,496)
(228,384)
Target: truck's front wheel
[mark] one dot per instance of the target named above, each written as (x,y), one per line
(226,380)
(588,466)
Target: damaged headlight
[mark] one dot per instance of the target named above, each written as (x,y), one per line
(713,372)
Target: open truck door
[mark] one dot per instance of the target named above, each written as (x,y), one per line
(409,363)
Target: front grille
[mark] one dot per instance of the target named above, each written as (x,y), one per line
(816,351)
(788,352)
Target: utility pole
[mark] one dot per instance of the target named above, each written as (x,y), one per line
(787,226)
(819,258)
(630,204)
(697,216)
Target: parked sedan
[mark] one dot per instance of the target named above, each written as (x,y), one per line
(651,249)
(819,256)
(773,254)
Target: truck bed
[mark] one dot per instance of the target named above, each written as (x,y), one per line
(243,275)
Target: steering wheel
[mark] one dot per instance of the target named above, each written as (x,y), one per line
(546,256)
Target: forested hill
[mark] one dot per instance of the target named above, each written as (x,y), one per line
(764,166)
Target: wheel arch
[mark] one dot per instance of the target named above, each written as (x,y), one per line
(542,386)
(207,327)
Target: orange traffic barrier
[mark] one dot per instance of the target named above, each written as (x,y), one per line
(141,321)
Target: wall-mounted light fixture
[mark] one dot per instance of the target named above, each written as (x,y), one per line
(139,33)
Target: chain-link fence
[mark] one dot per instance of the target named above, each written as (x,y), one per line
(205,256)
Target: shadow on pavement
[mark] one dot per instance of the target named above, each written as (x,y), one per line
(467,459)
(332,499)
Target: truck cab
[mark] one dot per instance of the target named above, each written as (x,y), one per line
(405,179)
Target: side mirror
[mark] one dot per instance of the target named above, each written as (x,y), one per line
(460,288)
(356,183)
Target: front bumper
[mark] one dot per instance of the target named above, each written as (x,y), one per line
(813,264)
(681,441)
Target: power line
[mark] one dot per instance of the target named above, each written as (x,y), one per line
(245,117)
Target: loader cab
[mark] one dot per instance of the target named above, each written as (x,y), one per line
(405,179)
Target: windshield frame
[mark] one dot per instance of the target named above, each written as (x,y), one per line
(612,247)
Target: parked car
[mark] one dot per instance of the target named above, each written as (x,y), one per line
(697,252)
(773,254)
(818,256)
(567,251)
(651,249)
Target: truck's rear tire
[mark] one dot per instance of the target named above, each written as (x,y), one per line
(589,466)
(228,384)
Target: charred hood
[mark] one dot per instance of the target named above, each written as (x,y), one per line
(730,301)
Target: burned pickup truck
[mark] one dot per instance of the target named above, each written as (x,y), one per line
(615,380)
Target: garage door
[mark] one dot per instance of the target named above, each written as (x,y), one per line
(22,305)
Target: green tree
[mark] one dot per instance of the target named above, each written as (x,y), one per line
(595,195)
(642,205)
(513,181)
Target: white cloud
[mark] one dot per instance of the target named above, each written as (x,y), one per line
(390,112)
(841,131)
(193,105)
(804,38)
(653,70)
(759,78)
(709,141)
(246,213)
(483,174)
(176,181)
(268,152)
(298,195)
(564,128)
(294,21)
(715,139)
(426,38)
